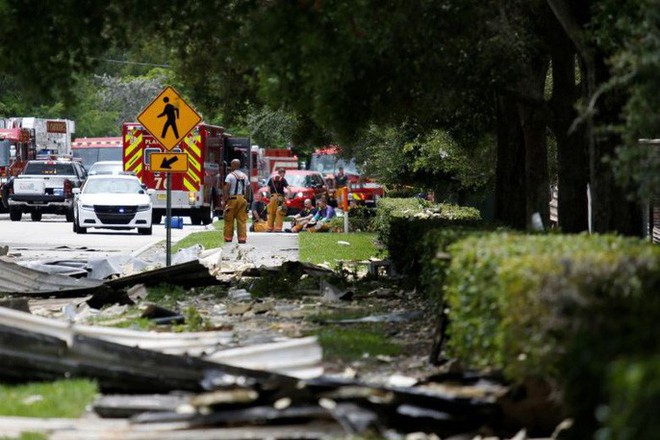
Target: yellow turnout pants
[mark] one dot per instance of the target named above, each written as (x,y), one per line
(236,209)
(276,212)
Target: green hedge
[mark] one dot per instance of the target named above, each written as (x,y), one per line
(559,307)
(360,219)
(634,386)
(402,224)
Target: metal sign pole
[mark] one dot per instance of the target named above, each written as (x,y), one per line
(168,220)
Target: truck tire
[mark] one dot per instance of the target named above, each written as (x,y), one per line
(35,216)
(207,214)
(15,214)
(156,219)
(5,196)
(145,231)
(69,216)
(195,217)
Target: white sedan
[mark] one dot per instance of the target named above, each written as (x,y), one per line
(112,202)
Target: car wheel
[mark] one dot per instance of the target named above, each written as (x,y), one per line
(145,231)
(78,229)
(35,216)
(15,214)
(156,219)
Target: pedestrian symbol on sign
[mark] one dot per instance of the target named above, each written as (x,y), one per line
(169,118)
(172,114)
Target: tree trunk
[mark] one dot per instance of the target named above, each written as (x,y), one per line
(537,183)
(612,211)
(572,163)
(510,198)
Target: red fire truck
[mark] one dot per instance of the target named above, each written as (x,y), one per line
(196,193)
(16,147)
(361,189)
(95,149)
(266,160)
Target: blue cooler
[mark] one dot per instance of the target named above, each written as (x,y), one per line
(176,222)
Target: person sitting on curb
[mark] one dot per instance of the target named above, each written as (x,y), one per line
(320,220)
(259,210)
(299,220)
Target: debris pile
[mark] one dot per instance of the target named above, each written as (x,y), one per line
(209,384)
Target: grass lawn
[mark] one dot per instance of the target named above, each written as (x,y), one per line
(63,398)
(208,239)
(326,247)
(314,248)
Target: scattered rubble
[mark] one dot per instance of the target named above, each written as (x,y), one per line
(253,374)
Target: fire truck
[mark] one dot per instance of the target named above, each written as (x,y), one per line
(16,148)
(361,189)
(196,193)
(94,149)
(266,160)
(51,137)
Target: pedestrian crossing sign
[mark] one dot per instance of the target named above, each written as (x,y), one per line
(169,118)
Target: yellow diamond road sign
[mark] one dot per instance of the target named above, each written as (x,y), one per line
(169,162)
(169,118)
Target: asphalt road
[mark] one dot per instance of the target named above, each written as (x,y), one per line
(53,239)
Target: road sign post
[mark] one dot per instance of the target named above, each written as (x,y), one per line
(169,119)
(168,220)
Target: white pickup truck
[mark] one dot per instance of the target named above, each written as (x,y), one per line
(45,186)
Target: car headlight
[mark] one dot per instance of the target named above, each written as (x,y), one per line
(300,194)
(143,207)
(87,207)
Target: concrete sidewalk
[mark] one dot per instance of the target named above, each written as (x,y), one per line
(263,249)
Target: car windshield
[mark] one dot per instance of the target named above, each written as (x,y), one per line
(106,168)
(329,164)
(49,168)
(112,186)
(303,180)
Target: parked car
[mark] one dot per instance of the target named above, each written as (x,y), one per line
(303,184)
(106,167)
(112,202)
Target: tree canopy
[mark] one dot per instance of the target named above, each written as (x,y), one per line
(421,78)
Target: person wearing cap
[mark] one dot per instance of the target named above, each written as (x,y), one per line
(278,186)
(259,210)
(234,203)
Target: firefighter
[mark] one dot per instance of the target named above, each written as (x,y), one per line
(278,186)
(235,203)
(341,179)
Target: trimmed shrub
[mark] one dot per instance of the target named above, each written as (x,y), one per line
(558,307)
(402,225)
(634,387)
(360,219)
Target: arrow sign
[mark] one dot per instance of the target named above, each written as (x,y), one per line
(169,162)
